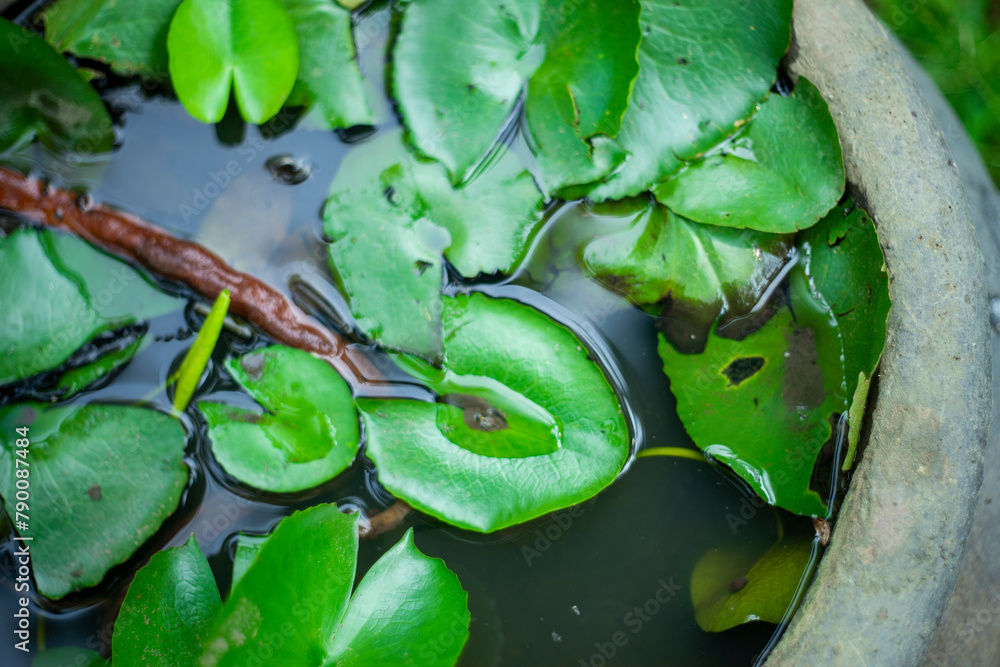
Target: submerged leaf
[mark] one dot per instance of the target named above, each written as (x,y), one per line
(328,78)
(167,610)
(309,433)
(457,95)
(571,439)
(702,70)
(42,95)
(58,294)
(733,586)
(104,478)
(249,46)
(698,274)
(783,173)
(130,36)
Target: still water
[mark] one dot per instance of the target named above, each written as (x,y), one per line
(607,582)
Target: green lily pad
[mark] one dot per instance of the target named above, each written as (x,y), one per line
(571,439)
(698,274)
(763,405)
(808,366)
(408,607)
(76,380)
(42,95)
(175,594)
(130,36)
(404,603)
(457,95)
(248,45)
(733,586)
(103,479)
(388,265)
(484,227)
(59,293)
(701,74)
(329,80)
(846,268)
(309,433)
(783,173)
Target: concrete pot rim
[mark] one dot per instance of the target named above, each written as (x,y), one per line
(898,541)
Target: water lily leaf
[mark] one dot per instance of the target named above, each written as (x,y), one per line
(783,173)
(491,220)
(846,267)
(505,354)
(309,433)
(76,380)
(42,95)
(59,293)
(247,548)
(699,274)
(329,79)
(701,73)
(103,480)
(248,45)
(406,604)
(130,36)
(176,595)
(388,265)
(783,382)
(733,586)
(457,95)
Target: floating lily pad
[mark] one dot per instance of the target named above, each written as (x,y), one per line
(104,478)
(792,379)
(76,380)
(783,173)
(514,368)
(483,227)
(701,73)
(59,293)
(42,95)
(249,46)
(175,594)
(404,603)
(329,80)
(846,267)
(456,95)
(130,36)
(734,585)
(388,264)
(763,405)
(697,274)
(309,433)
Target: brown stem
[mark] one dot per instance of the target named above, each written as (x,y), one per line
(383,521)
(139,242)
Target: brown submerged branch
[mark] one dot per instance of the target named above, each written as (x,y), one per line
(384,521)
(144,244)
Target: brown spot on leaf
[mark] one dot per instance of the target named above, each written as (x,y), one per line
(742,369)
(76,574)
(737,584)
(94,492)
(803,376)
(253,365)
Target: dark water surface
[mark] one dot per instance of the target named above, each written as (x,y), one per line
(607,582)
